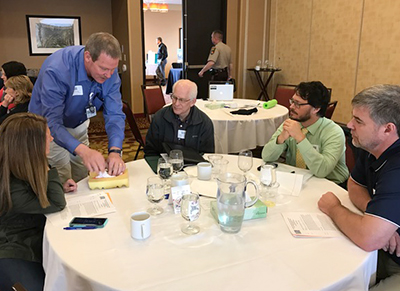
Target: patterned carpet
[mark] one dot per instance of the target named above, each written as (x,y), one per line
(98,137)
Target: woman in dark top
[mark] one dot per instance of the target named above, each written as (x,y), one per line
(18,92)
(8,70)
(28,190)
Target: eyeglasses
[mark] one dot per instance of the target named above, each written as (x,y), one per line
(181,100)
(297,104)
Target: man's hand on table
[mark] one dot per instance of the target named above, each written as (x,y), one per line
(116,165)
(328,202)
(93,160)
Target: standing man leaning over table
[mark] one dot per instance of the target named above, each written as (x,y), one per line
(72,85)
(309,139)
(181,123)
(219,59)
(373,186)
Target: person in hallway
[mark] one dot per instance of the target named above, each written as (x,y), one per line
(162,56)
(8,70)
(310,140)
(18,92)
(181,123)
(72,85)
(373,186)
(29,189)
(219,60)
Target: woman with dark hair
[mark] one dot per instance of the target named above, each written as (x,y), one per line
(28,190)
(19,92)
(8,70)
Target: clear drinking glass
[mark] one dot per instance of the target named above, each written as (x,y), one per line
(190,211)
(165,171)
(220,167)
(269,183)
(212,159)
(164,168)
(245,161)
(155,194)
(176,159)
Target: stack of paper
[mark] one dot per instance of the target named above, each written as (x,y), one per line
(303,224)
(82,206)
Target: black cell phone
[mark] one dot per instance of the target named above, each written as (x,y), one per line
(88,221)
(259,167)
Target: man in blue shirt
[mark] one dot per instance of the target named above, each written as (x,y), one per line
(72,85)
(373,186)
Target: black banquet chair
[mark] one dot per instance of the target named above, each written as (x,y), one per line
(130,118)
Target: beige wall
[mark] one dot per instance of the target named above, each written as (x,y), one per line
(167,26)
(95,16)
(135,54)
(348,45)
(248,37)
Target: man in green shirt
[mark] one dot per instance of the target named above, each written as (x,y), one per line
(310,140)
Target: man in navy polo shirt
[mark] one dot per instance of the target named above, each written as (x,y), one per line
(374,183)
(72,85)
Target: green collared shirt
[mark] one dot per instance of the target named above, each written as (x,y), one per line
(323,150)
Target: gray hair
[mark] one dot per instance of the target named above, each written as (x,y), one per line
(383,103)
(187,83)
(103,42)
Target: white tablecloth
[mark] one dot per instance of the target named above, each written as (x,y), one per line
(233,133)
(262,256)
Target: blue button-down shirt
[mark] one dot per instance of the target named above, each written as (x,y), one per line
(61,94)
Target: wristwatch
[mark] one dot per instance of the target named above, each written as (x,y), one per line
(115,151)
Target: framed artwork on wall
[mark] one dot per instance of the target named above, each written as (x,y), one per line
(47,34)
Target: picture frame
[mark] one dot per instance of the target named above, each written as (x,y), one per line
(47,34)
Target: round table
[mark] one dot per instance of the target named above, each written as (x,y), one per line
(263,255)
(233,133)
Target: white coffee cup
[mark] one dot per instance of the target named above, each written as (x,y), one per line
(140,225)
(204,171)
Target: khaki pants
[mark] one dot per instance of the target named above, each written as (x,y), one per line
(70,166)
(389,271)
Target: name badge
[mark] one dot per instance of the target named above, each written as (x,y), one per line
(181,134)
(90,111)
(78,90)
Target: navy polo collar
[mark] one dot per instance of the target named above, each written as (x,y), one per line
(376,165)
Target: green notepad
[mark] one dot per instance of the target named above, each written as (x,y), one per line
(258,210)
(152,161)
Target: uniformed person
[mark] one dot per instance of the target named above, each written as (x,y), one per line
(219,61)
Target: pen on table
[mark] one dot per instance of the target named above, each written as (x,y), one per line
(207,196)
(79,227)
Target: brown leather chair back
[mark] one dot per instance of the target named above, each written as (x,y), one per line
(330,109)
(283,93)
(153,98)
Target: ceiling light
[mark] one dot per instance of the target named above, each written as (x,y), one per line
(163,8)
(154,7)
